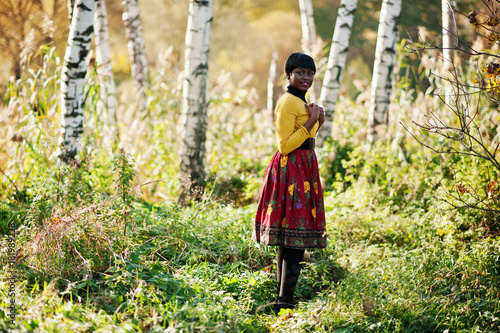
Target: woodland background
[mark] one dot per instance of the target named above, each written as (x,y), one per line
(105,246)
(244,35)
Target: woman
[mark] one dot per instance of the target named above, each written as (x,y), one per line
(291,212)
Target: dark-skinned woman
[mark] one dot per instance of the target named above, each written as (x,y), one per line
(290,213)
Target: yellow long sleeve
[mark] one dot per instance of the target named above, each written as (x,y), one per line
(290,115)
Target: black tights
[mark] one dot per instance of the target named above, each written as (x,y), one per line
(288,270)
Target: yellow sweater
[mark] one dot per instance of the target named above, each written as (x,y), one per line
(290,116)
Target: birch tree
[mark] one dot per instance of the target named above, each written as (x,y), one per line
(73,78)
(195,98)
(136,48)
(272,82)
(71,5)
(336,63)
(308,30)
(450,42)
(450,37)
(308,33)
(104,67)
(385,60)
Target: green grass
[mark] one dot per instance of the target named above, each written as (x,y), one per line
(196,269)
(105,248)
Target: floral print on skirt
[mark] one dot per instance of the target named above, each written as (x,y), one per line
(291,210)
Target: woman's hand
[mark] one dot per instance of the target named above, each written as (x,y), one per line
(313,110)
(321,117)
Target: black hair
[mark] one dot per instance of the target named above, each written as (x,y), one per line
(299,60)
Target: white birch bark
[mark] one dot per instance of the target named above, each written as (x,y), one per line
(272,82)
(335,67)
(450,38)
(104,67)
(136,48)
(308,29)
(73,78)
(385,60)
(308,34)
(70,4)
(450,42)
(195,97)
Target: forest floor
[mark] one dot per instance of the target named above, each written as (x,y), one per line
(386,269)
(102,247)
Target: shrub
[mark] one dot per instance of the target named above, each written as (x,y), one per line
(76,231)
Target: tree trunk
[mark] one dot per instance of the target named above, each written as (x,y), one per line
(136,49)
(71,5)
(450,38)
(104,67)
(336,64)
(385,59)
(272,84)
(450,42)
(195,99)
(308,34)
(73,78)
(308,30)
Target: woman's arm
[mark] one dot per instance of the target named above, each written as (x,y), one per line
(289,137)
(321,118)
(314,112)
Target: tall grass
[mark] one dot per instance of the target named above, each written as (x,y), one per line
(104,247)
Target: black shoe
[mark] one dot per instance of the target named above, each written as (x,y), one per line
(265,309)
(281,305)
(275,309)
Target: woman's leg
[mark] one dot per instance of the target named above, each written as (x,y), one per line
(279,266)
(288,268)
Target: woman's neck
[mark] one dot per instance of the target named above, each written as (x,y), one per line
(296,92)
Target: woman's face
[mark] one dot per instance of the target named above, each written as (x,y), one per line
(301,78)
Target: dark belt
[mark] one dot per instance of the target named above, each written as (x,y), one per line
(308,144)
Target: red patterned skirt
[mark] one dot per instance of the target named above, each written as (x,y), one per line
(291,211)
